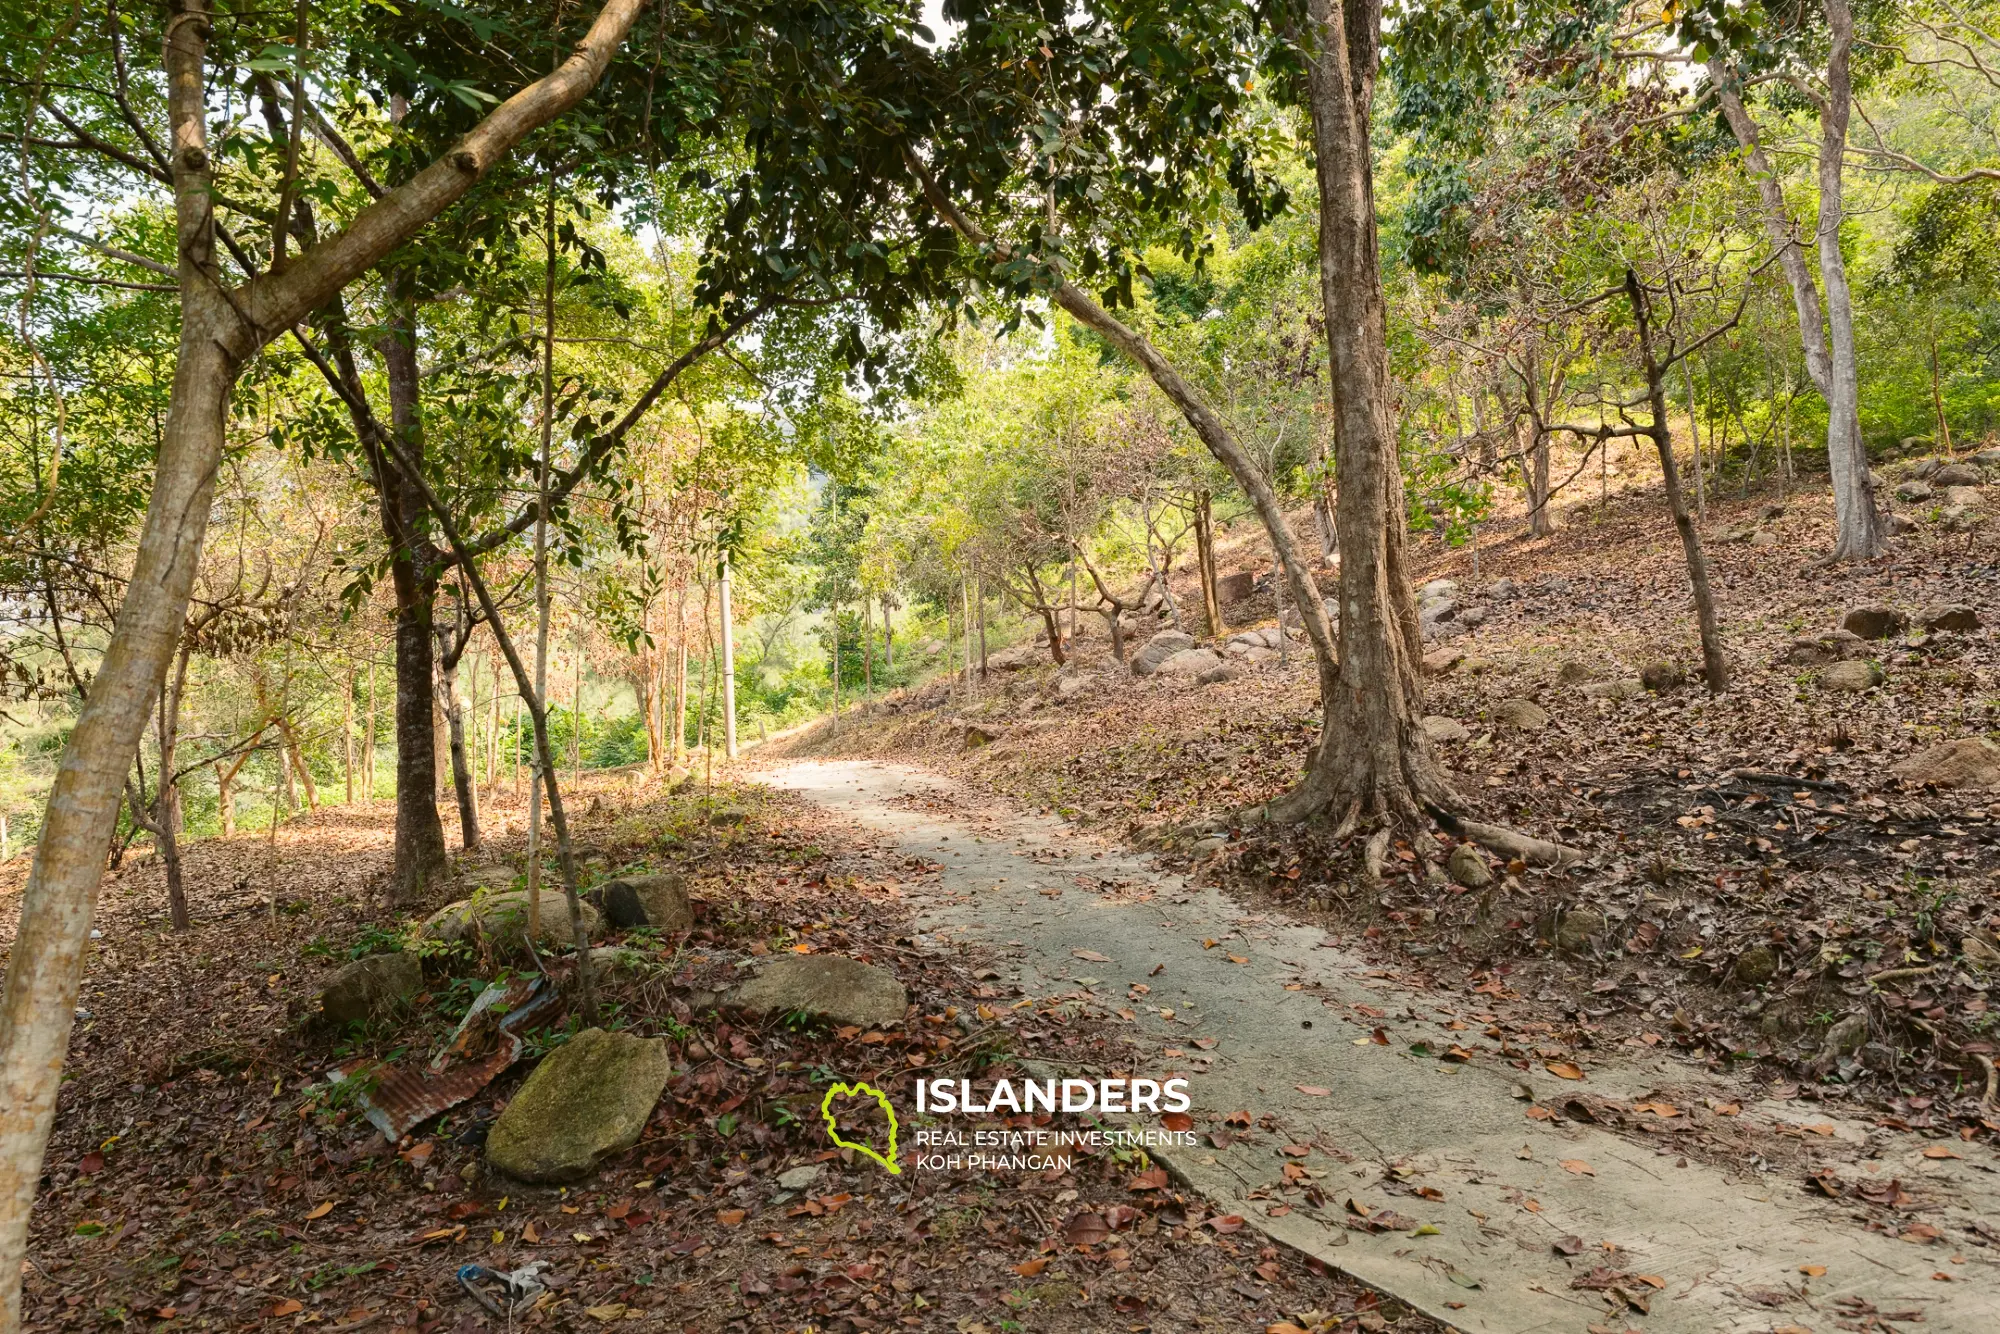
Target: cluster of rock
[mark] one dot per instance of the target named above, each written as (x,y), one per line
(1950,490)
(1442,612)
(592,1096)
(1845,656)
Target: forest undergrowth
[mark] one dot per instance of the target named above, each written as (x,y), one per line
(203,1175)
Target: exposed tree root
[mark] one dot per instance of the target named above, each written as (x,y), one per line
(1509,842)
(1375,853)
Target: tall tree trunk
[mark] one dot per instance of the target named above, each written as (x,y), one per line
(1715,668)
(414,570)
(979,599)
(368,746)
(1860,526)
(1541,515)
(347,734)
(965,627)
(1204,559)
(1372,759)
(888,635)
(868,645)
(576,711)
(461,761)
(1857,524)
(493,730)
(680,675)
(729,664)
(543,770)
(300,767)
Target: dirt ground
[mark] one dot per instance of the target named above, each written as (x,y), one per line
(202,1175)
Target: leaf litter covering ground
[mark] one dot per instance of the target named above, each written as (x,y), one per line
(1761,898)
(199,1176)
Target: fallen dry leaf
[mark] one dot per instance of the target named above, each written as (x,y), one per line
(1578,1167)
(1564,1069)
(1313,1090)
(321,1212)
(1086,1229)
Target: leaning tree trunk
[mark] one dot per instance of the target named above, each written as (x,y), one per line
(1372,759)
(1715,668)
(1206,425)
(220,330)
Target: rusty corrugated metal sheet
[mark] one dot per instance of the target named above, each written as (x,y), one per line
(396,1100)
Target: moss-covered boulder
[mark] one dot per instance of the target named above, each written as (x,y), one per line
(503,919)
(588,1098)
(846,991)
(370,986)
(658,901)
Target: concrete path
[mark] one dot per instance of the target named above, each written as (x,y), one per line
(1444,1145)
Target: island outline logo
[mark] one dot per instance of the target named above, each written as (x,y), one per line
(859,1090)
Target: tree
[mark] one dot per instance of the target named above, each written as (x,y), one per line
(221,327)
(1740,54)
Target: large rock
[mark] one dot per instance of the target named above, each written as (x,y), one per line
(1914,491)
(1950,616)
(1158,649)
(588,1098)
(658,901)
(1852,677)
(1443,731)
(371,986)
(1437,603)
(1191,662)
(503,919)
(1960,501)
(1231,588)
(1662,677)
(1220,673)
(1577,928)
(1757,965)
(1520,714)
(1437,590)
(1873,622)
(846,991)
(1441,660)
(1818,650)
(1958,474)
(1468,868)
(1970,761)
(1624,688)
